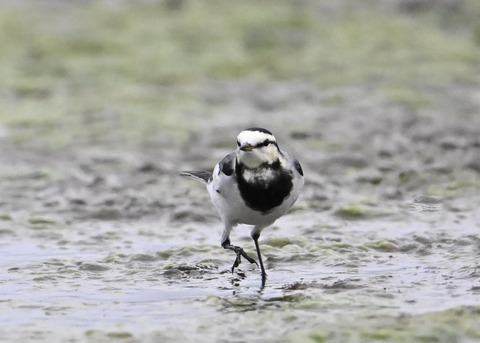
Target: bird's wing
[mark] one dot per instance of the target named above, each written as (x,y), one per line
(298,167)
(293,162)
(199,175)
(227,165)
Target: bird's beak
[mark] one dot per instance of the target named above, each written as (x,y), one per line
(247,147)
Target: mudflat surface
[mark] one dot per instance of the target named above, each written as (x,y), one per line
(101,240)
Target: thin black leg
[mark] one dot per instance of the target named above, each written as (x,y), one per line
(257,246)
(240,252)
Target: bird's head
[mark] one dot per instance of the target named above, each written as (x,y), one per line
(257,146)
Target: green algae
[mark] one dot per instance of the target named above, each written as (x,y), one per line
(5,217)
(351,212)
(281,242)
(119,335)
(278,242)
(41,221)
(414,100)
(382,245)
(98,334)
(454,325)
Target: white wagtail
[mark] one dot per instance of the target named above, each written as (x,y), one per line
(255,185)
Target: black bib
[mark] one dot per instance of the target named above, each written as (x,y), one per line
(264,195)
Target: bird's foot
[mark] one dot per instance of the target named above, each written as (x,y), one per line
(240,253)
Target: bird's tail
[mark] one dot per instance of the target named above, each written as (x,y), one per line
(199,175)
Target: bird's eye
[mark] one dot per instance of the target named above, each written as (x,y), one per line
(238,143)
(266,142)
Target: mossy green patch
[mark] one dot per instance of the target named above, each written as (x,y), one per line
(278,242)
(455,325)
(380,335)
(333,100)
(91,332)
(119,335)
(5,216)
(41,221)
(382,245)
(110,335)
(351,212)
(318,337)
(413,99)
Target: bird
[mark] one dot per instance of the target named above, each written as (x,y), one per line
(254,185)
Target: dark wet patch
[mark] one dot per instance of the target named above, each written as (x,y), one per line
(342,285)
(92,267)
(296,286)
(143,258)
(190,214)
(429,200)
(287,298)
(189,271)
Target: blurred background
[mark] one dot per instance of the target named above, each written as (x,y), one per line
(126,73)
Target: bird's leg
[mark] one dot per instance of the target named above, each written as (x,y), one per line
(239,251)
(255,237)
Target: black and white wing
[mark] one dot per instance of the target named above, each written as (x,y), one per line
(223,176)
(298,167)
(227,165)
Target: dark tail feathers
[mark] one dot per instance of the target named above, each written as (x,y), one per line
(200,175)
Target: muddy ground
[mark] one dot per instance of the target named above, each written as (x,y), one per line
(101,240)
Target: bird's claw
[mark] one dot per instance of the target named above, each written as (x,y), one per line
(240,252)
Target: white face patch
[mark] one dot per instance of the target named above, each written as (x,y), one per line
(254,137)
(259,154)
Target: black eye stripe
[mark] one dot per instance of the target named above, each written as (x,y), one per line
(266,142)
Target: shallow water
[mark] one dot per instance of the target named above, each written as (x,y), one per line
(118,280)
